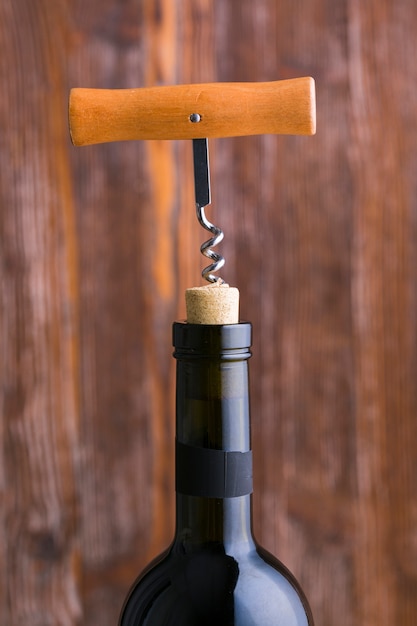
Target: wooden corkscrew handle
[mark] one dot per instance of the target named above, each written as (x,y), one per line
(192,111)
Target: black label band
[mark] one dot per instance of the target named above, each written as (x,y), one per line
(212,473)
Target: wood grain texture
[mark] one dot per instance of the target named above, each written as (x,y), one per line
(40,384)
(98,245)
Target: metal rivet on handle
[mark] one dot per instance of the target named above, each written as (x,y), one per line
(195,117)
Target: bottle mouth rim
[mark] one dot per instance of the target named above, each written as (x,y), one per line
(220,340)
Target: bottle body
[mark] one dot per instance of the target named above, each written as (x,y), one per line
(214,585)
(214,572)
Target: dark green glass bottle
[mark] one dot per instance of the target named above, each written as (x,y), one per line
(214,573)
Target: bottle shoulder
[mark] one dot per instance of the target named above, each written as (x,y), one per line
(206,585)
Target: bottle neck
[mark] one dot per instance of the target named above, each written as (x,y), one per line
(213,456)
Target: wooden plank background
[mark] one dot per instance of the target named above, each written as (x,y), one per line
(98,245)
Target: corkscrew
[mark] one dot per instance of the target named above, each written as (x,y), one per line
(196,112)
(203,199)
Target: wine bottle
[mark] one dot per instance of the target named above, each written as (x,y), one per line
(214,573)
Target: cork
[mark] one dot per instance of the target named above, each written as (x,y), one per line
(212,304)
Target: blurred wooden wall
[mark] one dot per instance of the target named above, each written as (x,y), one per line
(98,245)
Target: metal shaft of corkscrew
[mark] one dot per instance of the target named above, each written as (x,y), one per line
(202,199)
